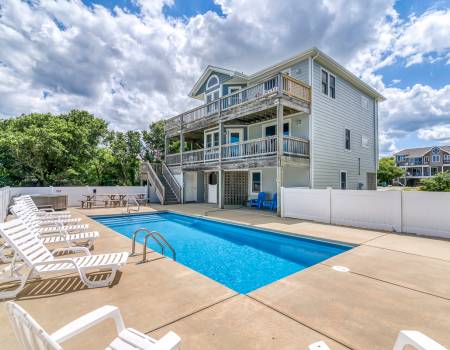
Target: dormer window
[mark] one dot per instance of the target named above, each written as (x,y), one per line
(212,82)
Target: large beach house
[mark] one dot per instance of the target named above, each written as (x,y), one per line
(304,122)
(422,163)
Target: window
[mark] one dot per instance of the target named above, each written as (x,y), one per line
(212,139)
(401,158)
(332,86)
(271,130)
(212,178)
(212,81)
(359,166)
(447,157)
(426,159)
(343,180)
(325,82)
(347,139)
(328,84)
(256,182)
(435,158)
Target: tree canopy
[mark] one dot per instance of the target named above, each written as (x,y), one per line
(388,170)
(72,149)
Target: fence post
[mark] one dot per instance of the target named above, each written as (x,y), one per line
(402,229)
(330,192)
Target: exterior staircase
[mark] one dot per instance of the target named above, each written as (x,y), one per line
(160,177)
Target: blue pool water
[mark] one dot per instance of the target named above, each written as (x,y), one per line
(240,257)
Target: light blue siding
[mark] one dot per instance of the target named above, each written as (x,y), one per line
(300,71)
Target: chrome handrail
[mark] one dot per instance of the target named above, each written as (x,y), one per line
(144,250)
(133,244)
(174,255)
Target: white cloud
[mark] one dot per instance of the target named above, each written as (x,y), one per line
(135,68)
(435,133)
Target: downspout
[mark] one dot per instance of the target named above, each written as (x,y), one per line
(311,122)
(376,140)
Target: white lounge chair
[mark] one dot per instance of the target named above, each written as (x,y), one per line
(46,227)
(20,211)
(27,200)
(40,260)
(33,337)
(414,339)
(63,237)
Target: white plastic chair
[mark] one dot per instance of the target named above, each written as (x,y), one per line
(28,201)
(33,337)
(415,339)
(40,260)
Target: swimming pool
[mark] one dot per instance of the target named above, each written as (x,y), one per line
(240,257)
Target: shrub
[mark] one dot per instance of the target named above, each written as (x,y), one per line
(438,183)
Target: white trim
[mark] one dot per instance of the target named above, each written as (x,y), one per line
(212,93)
(250,182)
(264,125)
(212,86)
(328,83)
(212,132)
(233,130)
(340,179)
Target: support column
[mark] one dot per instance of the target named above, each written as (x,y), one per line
(166,146)
(221,177)
(181,159)
(280,152)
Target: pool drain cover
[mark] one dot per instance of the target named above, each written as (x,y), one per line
(341,268)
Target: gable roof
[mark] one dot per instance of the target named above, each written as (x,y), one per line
(314,52)
(414,152)
(420,151)
(210,69)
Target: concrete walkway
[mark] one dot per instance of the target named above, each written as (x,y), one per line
(395,282)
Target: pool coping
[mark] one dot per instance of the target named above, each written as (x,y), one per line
(233,223)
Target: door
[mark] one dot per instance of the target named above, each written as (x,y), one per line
(190,186)
(212,187)
(235,136)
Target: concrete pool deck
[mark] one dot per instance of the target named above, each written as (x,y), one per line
(395,282)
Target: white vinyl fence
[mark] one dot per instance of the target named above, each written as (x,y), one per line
(75,194)
(5,196)
(425,213)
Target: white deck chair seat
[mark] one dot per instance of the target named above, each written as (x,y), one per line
(23,212)
(72,237)
(33,337)
(39,260)
(69,228)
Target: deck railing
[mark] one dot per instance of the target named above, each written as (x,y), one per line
(256,147)
(290,86)
(295,146)
(153,178)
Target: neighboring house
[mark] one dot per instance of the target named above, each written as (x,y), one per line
(423,162)
(304,122)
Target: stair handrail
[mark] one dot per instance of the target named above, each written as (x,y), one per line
(156,182)
(173,183)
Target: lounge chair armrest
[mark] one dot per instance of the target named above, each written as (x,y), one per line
(67,250)
(417,340)
(170,341)
(87,321)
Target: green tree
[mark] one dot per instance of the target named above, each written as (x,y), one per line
(438,183)
(126,148)
(388,170)
(48,149)
(154,141)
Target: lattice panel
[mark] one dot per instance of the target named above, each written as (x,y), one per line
(236,187)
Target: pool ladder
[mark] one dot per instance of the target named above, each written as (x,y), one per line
(157,237)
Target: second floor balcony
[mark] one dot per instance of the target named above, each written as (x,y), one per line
(253,99)
(251,149)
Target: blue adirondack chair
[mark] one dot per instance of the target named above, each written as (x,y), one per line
(258,202)
(272,204)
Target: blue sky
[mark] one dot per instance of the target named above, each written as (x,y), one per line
(134,61)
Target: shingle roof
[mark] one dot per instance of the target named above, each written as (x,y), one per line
(414,152)
(420,151)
